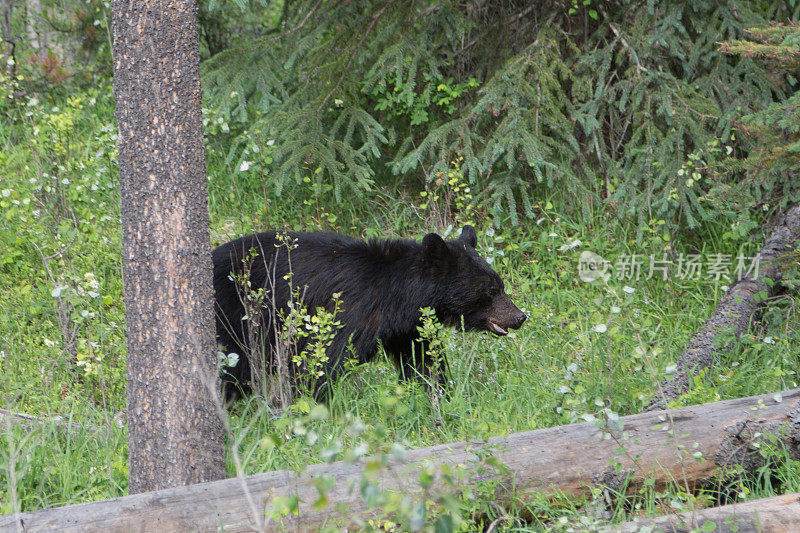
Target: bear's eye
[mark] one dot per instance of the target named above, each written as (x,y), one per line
(483,299)
(498,288)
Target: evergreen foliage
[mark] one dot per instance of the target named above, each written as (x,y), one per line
(627,103)
(774,162)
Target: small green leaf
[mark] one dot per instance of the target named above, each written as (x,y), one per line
(425,479)
(444,524)
(58,291)
(417,517)
(321,502)
(708,526)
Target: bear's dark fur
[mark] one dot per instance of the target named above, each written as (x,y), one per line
(382,286)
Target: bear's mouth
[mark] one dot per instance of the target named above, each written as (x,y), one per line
(497,330)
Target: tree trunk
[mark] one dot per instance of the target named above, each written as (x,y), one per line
(9,59)
(175,432)
(734,312)
(779,514)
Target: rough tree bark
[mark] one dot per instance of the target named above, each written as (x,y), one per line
(734,312)
(9,59)
(779,514)
(174,425)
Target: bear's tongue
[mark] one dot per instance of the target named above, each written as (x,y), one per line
(497,329)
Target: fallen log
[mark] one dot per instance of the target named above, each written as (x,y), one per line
(778,514)
(9,419)
(734,312)
(674,446)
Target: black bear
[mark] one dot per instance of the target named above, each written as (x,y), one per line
(381,285)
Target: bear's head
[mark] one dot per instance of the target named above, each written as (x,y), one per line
(468,287)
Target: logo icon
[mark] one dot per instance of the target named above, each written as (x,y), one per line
(592,266)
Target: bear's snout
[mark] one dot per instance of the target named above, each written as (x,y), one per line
(504,316)
(521,318)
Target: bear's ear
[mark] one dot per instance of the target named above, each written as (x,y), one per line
(436,250)
(468,236)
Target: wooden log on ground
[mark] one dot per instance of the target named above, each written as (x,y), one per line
(734,312)
(779,514)
(677,445)
(9,419)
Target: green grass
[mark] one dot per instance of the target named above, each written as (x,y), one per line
(561,367)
